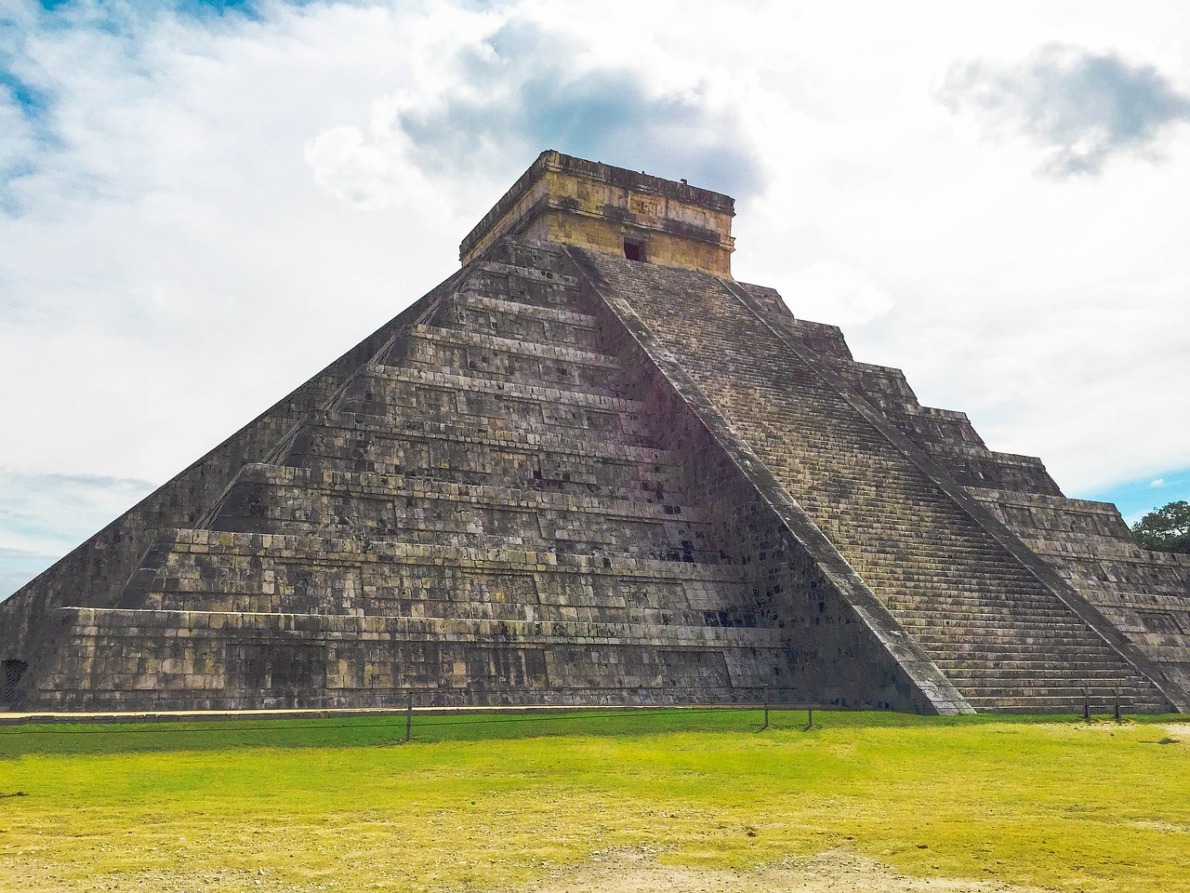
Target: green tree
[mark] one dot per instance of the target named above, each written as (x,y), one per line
(1166,529)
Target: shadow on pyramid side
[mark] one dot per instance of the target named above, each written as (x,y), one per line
(591,468)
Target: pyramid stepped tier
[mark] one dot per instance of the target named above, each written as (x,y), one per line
(490,446)
(455,625)
(945,435)
(591,468)
(482,513)
(1142,593)
(31,631)
(425,510)
(998,633)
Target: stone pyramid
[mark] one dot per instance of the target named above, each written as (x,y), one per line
(592,468)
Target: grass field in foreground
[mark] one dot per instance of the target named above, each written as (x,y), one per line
(481,802)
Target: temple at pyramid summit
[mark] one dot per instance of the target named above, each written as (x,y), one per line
(590,467)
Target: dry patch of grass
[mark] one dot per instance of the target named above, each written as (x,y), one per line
(633,871)
(673,800)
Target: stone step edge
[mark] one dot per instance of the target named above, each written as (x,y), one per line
(705,614)
(520,347)
(973,451)
(1111,549)
(372,484)
(516,441)
(356,550)
(563,279)
(993,645)
(994,663)
(474,384)
(980,663)
(962,641)
(563,542)
(502,632)
(1024,703)
(930,608)
(516,308)
(1096,674)
(1064,504)
(1044,691)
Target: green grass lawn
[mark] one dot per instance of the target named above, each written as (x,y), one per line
(479,802)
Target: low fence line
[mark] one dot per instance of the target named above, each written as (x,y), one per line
(22,723)
(388,717)
(119,723)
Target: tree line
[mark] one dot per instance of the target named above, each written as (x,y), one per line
(1166,529)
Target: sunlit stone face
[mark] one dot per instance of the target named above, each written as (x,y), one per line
(610,209)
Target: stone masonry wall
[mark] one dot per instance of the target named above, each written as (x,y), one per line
(510,504)
(568,478)
(1005,639)
(833,656)
(95,572)
(1145,594)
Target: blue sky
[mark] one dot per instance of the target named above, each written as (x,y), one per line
(201,204)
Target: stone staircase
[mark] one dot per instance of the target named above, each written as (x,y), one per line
(1143,594)
(1004,639)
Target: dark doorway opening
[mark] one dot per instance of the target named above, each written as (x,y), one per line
(11,672)
(634,250)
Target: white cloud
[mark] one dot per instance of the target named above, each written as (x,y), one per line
(362,174)
(1080,106)
(835,292)
(1157,482)
(518,86)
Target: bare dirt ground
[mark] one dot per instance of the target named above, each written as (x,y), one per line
(626,870)
(1179,730)
(634,871)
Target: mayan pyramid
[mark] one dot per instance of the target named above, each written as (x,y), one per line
(592,468)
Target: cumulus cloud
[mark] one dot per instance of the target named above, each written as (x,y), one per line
(836,293)
(523,88)
(1080,107)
